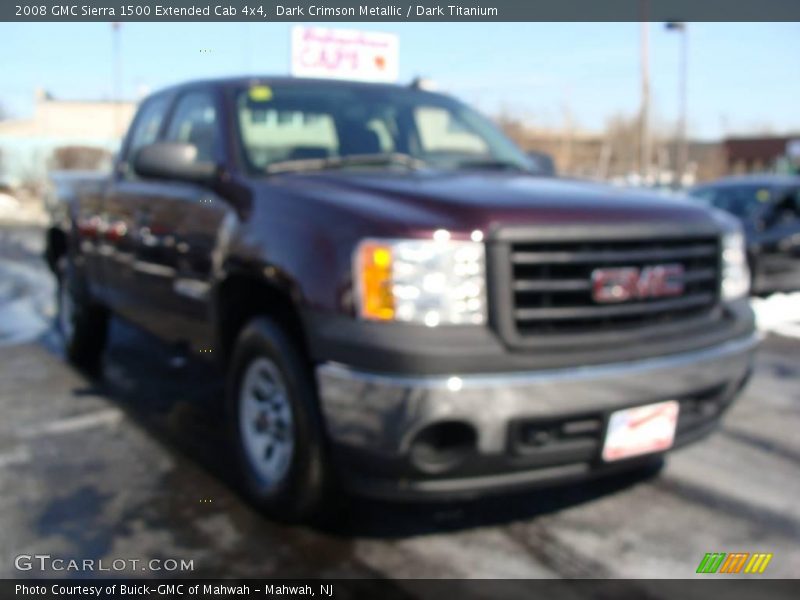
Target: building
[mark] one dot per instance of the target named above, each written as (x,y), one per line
(27,145)
(762,153)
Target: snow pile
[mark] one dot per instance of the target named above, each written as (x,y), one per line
(778,313)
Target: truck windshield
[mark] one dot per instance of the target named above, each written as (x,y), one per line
(313,127)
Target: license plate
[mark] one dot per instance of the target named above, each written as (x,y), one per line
(640,430)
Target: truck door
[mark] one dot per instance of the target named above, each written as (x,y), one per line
(179,227)
(119,228)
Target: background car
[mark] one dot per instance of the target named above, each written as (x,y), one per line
(769,208)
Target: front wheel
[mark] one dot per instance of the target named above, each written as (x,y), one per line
(275,423)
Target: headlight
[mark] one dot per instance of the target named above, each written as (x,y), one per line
(435,282)
(735,272)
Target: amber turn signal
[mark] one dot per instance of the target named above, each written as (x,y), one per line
(374,270)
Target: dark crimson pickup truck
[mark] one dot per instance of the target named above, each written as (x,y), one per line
(401,305)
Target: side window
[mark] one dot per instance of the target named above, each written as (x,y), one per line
(147,124)
(195,121)
(440,131)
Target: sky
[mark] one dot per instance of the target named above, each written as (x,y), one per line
(742,77)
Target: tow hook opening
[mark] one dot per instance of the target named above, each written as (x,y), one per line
(442,446)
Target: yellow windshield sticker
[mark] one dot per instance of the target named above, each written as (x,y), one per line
(260,93)
(762,195)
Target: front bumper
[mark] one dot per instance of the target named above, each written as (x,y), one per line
(373,419)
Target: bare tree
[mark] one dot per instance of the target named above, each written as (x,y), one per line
(614,152)
(622,138)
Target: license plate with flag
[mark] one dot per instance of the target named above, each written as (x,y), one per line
(640,430)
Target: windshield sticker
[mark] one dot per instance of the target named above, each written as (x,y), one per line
(762,195)
(260,93)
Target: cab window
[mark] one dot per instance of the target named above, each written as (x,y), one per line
(441,131)
(147,125)
(195,121)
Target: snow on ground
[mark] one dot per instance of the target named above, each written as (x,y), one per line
(779,314)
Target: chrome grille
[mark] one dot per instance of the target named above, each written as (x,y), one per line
(552,288)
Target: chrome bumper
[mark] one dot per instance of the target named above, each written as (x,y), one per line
(381,413)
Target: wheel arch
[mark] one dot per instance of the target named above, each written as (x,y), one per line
(243,295)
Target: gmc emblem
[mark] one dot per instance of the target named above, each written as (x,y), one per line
(631,283)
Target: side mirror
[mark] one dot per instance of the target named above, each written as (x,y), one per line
(173,160)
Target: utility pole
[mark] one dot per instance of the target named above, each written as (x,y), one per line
(681,142)
(117,76)
(644,114)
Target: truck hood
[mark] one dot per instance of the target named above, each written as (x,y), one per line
(427,200)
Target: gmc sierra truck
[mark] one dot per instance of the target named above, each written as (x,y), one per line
(401,306)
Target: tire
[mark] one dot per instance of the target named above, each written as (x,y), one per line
(275,424)
(83,325)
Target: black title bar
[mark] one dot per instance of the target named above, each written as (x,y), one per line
(392,10)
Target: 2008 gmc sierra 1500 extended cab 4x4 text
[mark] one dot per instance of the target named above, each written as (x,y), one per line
(399,303)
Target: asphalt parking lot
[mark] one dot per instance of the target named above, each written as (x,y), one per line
(131,466)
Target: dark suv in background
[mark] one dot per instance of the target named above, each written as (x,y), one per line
(400,304)
(768,207)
